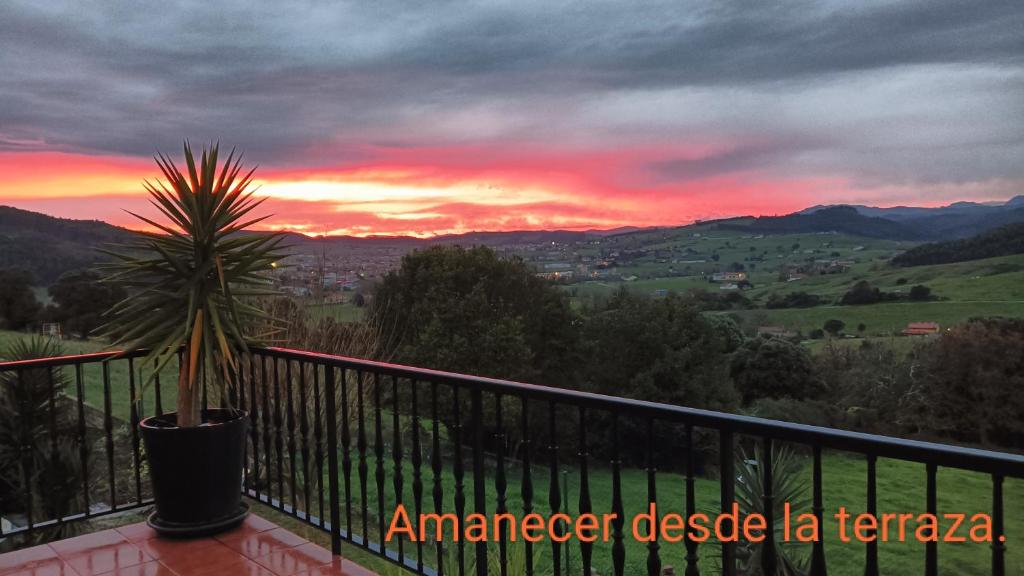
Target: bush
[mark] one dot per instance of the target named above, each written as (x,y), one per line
(793,300)
(834,327)
(774,368)
(862,293)
(920,293)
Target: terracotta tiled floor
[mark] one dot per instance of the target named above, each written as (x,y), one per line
(257,548)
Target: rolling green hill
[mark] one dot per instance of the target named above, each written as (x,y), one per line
(48,246)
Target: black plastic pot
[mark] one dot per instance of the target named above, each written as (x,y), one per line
(196,473)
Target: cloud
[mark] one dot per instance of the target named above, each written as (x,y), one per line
(608,99)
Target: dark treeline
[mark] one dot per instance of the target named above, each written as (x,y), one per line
(1003,241)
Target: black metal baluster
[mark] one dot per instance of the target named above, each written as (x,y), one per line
(83,448)
(871,559)
(818,551)
(554,493)
(304,431)
(279,434)
(619,519)
(585,505)
(26,447)
(727,486)
(363,467)
(931,548)
(460,494)
(999,539)
(108,429)
(769,562)
(255,423)
(396,456)
(435,466)
(52,403)
(479,486)
(500,482)
(527,483)
(242,405)
(378,452)
(136,449)
(319,440)
(332,459)
(346,457)
(653,558)
(292,452)
(417,476)
(158,407)
(268,420)
(692,569)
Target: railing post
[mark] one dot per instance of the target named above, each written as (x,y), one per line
(727,486)
(818,552)
(871,554)
(931,559)
(332,459)
(998,546)
(479,486)
(769,562)
(692,559)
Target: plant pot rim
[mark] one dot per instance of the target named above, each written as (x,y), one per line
(234,417)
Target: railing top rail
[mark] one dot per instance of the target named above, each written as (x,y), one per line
(988,461)
(999,463)
(70,359)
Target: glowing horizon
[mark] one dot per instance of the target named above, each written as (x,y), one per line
(423,199)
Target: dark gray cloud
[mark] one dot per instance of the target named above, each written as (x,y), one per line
(883,92)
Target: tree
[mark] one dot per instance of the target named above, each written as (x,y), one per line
(662,350)
(920,293)
(80,299)
(862,293)
(471,311)
(774,368)
(862,327)
(18,304)
(834,327)
(973,375)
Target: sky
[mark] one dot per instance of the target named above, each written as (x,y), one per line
(437,117)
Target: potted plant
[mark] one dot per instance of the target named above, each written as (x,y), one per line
(191,282)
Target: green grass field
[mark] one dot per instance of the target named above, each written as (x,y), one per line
(342,312)
(880,319)
(92,379)
(900,489)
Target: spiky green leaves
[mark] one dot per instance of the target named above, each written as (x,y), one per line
(192,281)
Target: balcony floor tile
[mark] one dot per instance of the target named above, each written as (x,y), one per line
(256,548)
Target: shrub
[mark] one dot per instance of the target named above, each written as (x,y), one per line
(920,293)
(773,368)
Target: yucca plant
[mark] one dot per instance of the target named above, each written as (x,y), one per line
(191,281)
(789,485)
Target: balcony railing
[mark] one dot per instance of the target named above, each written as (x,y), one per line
(340,443)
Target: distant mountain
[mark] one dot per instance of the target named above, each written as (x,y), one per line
(48,246)
(844,219)
(1003,241)
(957,220)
